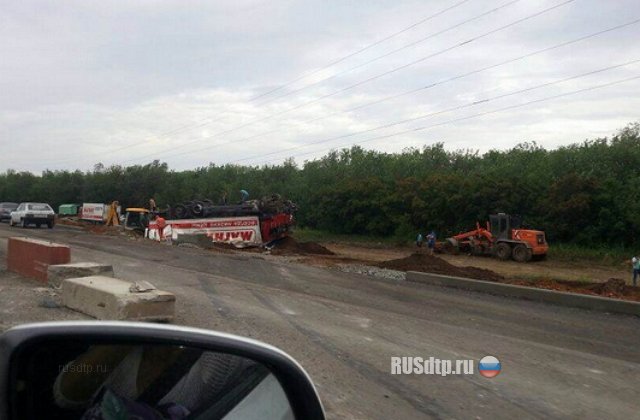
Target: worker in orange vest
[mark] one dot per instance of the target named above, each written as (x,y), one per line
(161,224)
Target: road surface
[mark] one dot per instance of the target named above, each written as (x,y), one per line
(344,328)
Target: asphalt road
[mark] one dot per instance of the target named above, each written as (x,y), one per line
(344,328)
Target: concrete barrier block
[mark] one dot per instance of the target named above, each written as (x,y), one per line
(32,257)
(109,298)
(58,272)
(575,300)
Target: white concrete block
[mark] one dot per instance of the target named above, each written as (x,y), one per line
(58,272)
(108,298)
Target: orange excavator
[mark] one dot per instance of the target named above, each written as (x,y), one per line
(502,238)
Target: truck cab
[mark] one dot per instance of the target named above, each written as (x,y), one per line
(511,241)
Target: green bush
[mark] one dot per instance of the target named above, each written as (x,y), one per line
(585,194)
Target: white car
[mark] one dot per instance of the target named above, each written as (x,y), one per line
(33,214)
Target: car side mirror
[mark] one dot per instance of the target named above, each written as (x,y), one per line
(120,370)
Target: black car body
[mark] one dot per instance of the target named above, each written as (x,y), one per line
(6,209)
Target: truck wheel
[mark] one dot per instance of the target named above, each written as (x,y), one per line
(503,251)
(38,225)
(521,253)
(50,225)
(181,211)
(198,208)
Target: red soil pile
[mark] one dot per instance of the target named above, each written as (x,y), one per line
(69,221)
(612,288)
(95,228)
(289,246)
(431,264)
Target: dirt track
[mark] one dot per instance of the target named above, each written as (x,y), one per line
(579,271)
(557,362)
(362,260)
(330,254)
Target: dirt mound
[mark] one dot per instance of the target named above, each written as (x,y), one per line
(612,288)
(68,221)
(289,246)
(91,227)
(104,230)
(432,264)
(616,286)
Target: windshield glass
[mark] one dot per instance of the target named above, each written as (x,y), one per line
(39,207)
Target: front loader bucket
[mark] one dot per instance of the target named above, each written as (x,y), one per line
(450,246)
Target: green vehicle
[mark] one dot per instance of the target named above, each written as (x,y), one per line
(69,209)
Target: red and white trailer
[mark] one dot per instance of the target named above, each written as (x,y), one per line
(240,231)
(95,212)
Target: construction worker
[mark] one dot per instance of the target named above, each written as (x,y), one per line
(161,223)
(419,240)
(431,242)
(245,195)
(635,263)
(153,208)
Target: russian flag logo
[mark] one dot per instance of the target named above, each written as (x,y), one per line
(489,367)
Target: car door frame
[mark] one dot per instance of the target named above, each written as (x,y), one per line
(18,212)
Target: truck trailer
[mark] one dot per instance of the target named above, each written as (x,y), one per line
(250,223)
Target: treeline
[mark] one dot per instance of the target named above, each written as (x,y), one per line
(587,193)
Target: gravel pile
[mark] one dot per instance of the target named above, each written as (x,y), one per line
(373,271)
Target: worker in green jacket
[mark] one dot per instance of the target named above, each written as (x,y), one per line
(635,262)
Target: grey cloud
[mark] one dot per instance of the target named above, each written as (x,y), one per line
(80,79)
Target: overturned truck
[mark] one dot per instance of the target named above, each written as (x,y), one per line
(249,223)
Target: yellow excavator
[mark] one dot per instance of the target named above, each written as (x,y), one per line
(136,218)
(112,214)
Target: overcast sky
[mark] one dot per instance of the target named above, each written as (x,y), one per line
(126,82)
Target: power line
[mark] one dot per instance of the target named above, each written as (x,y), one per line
(426,87)
(404,66)
(549,98)
(411,44)
(340,60)
(422,59)
(456,108)
(208,121)
(441,82)
(254,121)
